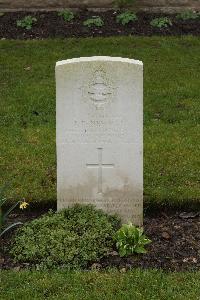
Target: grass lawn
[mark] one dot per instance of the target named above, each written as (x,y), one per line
(137,284)
(171,114)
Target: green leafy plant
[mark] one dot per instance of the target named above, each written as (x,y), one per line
(188,15)
(72,238)
(131,239)
(123,3)
(27,22)
(4,215)
(66,14)
(126,17)
(94,22)
(161,22)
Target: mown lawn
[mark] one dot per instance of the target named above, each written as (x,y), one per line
(171,114)
(137,284)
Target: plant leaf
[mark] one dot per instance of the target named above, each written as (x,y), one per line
(140,250)
(10,227)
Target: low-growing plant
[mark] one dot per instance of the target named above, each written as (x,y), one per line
(94,22)
(188,15)
(4,215)
(161,22)
(27,22)
(126,17)
(131,239)
(72,238)
(2,14)
(66,14)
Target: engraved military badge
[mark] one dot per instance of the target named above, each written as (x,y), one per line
(99,90)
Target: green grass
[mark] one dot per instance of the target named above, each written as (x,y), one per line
(137,284)
(171,114)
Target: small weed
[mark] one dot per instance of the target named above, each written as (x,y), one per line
(96,22)
(27,22)
(2,14)
(161,22)
(67,15)
(131,239)
(126,17)
(188,15)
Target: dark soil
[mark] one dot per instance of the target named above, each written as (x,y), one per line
(50,25)
(175,243)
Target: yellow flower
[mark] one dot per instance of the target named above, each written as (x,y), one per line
(23,205)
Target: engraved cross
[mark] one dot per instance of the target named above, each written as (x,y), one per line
(100,166)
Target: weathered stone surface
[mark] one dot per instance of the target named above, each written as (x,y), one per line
(147,5)
(100,134)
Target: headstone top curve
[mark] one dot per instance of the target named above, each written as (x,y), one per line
(99,59)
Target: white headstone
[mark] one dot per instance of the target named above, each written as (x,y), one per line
(100,134)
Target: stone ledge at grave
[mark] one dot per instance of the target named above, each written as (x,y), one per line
(166,6)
